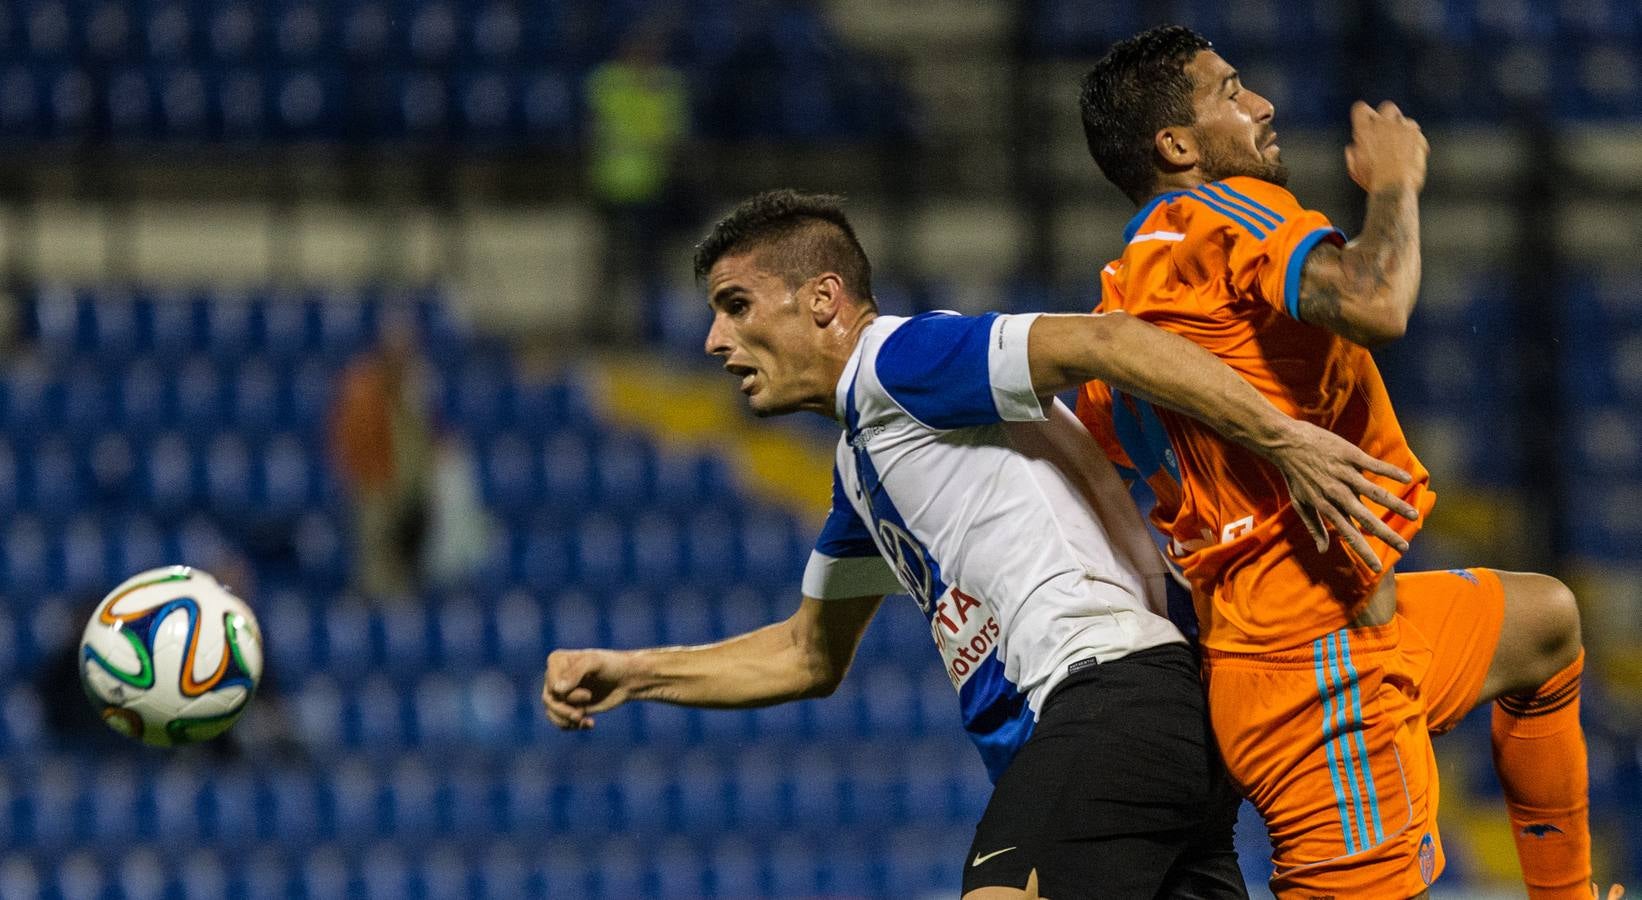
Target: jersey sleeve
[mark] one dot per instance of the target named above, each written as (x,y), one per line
(951,371)
(1256,235)
(845,562)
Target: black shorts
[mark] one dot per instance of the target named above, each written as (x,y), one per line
(1118,795)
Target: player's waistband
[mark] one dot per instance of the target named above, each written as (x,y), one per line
(1366,639)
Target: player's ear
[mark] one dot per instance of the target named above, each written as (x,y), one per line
(1176,146)
(826,297)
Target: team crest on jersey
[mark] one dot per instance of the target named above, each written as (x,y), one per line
(911,564)
(1428,859)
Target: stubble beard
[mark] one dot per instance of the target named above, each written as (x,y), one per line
(1220,161)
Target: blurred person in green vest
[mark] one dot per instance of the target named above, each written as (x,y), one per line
(639,118)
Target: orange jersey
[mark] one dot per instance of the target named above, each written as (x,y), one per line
(1221,265)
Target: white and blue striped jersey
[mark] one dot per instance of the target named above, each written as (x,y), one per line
(1003,520)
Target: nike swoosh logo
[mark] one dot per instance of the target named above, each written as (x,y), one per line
(980,859)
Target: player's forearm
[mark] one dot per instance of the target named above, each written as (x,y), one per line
(1171,371)
(1380,269)
(759,668)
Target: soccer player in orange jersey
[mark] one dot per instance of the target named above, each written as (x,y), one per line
(1327,673)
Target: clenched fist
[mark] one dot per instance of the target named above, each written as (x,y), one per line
(1387,149)
(580,683)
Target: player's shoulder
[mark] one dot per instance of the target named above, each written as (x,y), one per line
(1239,203)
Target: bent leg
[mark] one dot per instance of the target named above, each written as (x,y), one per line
(1532,672)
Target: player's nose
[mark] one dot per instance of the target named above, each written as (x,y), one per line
(1261,108)
(717,343)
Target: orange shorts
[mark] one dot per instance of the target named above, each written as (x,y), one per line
(1331,742)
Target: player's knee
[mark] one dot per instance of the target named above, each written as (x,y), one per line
(1556,625)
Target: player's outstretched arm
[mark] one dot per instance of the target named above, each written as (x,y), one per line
(1323,470)
(804,656)
(1365,291)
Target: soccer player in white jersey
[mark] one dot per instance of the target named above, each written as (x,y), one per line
(960,481)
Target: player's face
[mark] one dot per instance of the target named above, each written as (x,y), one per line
(763,332)
(1234,124)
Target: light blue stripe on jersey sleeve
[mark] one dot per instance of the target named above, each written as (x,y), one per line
(1297,263)
(935,366)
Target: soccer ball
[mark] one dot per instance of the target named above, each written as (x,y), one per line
(171,657)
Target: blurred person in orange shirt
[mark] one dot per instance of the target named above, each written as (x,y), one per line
(382,444)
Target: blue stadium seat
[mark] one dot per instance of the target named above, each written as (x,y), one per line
(817,789)
(460,633)
(686,617)
(528,795)
(81,874)
(888,700)
(502,874)
(568,874)
(624,472)
(231,809)
(734,869)
(355,789)
(632,620)
(794,864)
(874,794)
(406,645)
(317,709)
(468,801)
(184,101)
(922,859)
(201,875)
(178,791)
(508,476)
(677,869)
(445,875)
(324,874)
(704,791)
(410,791)
(384,873)
(310,104)
(268,876)
(254,403)
(71,106)
(643,790)
(21,106)
(497,32)
(549,110)
(433,31)
(521,641)
(172,477)
(382,716)
(291,800)
(141,401)
(567,470)
(438,706)
(761,790)
(601,551)
(347,635)
(110,469)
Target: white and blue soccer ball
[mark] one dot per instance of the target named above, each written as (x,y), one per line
(171,657)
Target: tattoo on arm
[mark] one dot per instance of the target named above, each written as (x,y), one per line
(1356,290)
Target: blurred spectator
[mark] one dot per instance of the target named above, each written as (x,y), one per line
(458,527)
(382,444)
(639,119)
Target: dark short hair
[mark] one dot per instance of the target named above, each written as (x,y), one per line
(1136,90)
(798,235)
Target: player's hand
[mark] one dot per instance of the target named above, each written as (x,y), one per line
(1387,149)
(1325,478)
(1614,893)
(580,683)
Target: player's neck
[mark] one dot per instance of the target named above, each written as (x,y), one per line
(1174,182)
(838,359)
